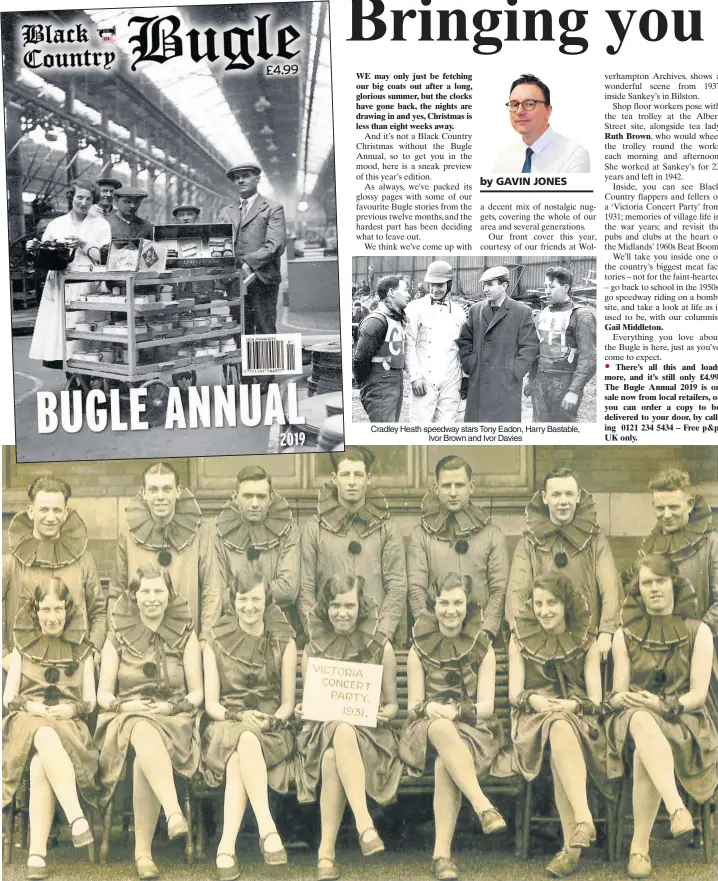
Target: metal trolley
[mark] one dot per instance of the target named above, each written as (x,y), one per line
(125,343)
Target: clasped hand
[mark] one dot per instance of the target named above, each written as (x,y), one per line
(436,710)
(541,703)
(644,700)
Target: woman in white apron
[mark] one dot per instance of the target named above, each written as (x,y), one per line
(87,234)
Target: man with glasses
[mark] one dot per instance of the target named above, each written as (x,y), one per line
(542,150)
(432,355)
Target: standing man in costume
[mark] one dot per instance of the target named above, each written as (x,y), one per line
(49,540)
(498,345)
(432,355)
(455,535)
(164,528)
(260,236)
(567,359)
(256,537)
(352,532)
(378,359)
(562,533)
(125,223)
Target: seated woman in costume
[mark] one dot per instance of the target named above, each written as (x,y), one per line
(555,692)
(451,676)
(352,760)
(662,658)
(150,690)
(49,691)
(250,665)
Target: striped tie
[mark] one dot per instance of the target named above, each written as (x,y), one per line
(527,161)
(242,211)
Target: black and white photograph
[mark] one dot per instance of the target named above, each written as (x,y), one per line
(500,660)
(172,231)
(474,339)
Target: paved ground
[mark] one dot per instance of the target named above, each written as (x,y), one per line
(30,377)
(586,412)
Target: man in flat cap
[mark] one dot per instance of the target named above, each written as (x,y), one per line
(186,213)
(104,206)
(260,235)
(125,223)
(498,345)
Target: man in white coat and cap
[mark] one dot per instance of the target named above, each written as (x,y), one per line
(432,353)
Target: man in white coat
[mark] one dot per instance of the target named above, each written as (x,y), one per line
(432,354)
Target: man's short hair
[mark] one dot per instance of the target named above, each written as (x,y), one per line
(352,454)
(452,463)
(671,479)
(160,468)
(560,471)
(48,484)
(388,283)
(531,80)
(253,472)
(561,275)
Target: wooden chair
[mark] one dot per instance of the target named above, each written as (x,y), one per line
(127,812)
(513,787)
(607,822)
(18,809)
(702,817)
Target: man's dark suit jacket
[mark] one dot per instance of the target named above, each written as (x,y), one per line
(261,239)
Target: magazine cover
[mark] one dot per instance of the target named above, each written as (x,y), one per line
(172,231)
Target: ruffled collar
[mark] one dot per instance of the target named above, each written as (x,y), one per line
(336,518)
(70,648)
(685,541)
(238,535)
(55,553)
(438,650)
(447,525)
(178,533)
(659,631)
(540,645)
(136,637)
(577,534)
(356,646)
(251,650)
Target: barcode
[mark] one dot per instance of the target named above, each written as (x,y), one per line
(268,355)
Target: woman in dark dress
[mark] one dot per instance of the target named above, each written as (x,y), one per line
(555,692)
(49,691)
(451,676)
(662,659)
(250,668)
(353,761)
(150,690)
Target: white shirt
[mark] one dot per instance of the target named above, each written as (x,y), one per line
(431,349)
(553,154)
(249,202)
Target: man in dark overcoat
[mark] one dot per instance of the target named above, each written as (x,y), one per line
(497,345)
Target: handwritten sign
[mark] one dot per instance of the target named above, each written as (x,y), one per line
(342,691)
